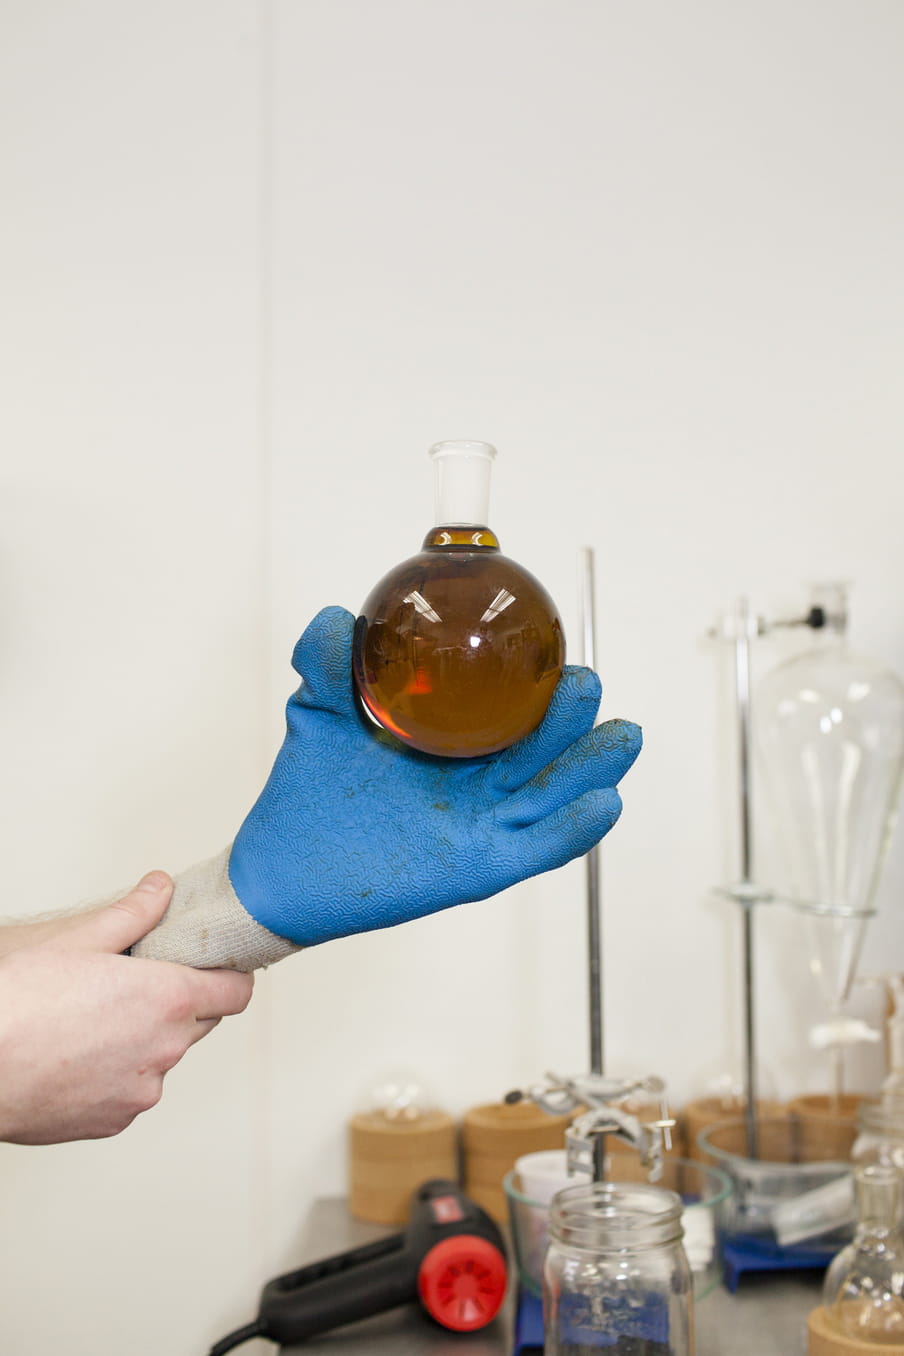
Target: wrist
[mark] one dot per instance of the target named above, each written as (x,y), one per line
(15,936)
(208,926)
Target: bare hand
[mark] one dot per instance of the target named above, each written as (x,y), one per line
(87,1034)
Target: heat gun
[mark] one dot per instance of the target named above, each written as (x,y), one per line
(451,1258)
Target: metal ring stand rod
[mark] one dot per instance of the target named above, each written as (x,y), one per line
(594,929)
(742,628)
(587,595)
(742,682)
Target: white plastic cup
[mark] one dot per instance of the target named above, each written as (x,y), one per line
(544,1173)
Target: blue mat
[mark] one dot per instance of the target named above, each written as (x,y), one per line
(649,1328)
(528,1324)
(757,1252)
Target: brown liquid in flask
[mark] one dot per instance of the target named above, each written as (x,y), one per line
(458,650)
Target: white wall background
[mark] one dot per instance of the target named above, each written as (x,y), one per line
(256,256)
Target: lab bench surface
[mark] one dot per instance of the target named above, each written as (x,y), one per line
(766,1317)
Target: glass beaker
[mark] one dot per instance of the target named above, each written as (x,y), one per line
(789,1164)
(458,650)
(863,1292)
(616,1277)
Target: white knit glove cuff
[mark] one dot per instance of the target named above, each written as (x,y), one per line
(206,926)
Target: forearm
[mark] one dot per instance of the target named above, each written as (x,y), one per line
(13,936)
(206,926)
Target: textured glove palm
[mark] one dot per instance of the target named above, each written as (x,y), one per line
(353,831)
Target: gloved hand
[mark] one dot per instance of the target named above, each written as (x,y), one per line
(353,831)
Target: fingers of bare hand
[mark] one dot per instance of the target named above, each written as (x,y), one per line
(221,993)
(116,926)
(144,1094)
(203,1027)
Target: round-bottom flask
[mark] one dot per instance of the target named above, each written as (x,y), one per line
(458,650)
(616,1278)
(863,1293)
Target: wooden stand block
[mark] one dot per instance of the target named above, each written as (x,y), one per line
(827,1125)
(389,1159)
(706,1111)
(494,1136)
(823,1339)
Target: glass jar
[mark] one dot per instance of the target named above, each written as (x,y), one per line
(616,1276)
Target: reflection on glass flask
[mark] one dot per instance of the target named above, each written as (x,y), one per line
(458,650)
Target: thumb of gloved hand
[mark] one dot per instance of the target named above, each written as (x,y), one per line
(117,926)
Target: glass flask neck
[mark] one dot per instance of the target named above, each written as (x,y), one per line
(461,472)
(881,1122)
(615,1217)
(879,1200)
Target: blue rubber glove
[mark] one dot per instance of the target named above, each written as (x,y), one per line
(354,831)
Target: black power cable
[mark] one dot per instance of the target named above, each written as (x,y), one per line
(236,1338)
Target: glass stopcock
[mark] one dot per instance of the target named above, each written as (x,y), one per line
(458,649)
